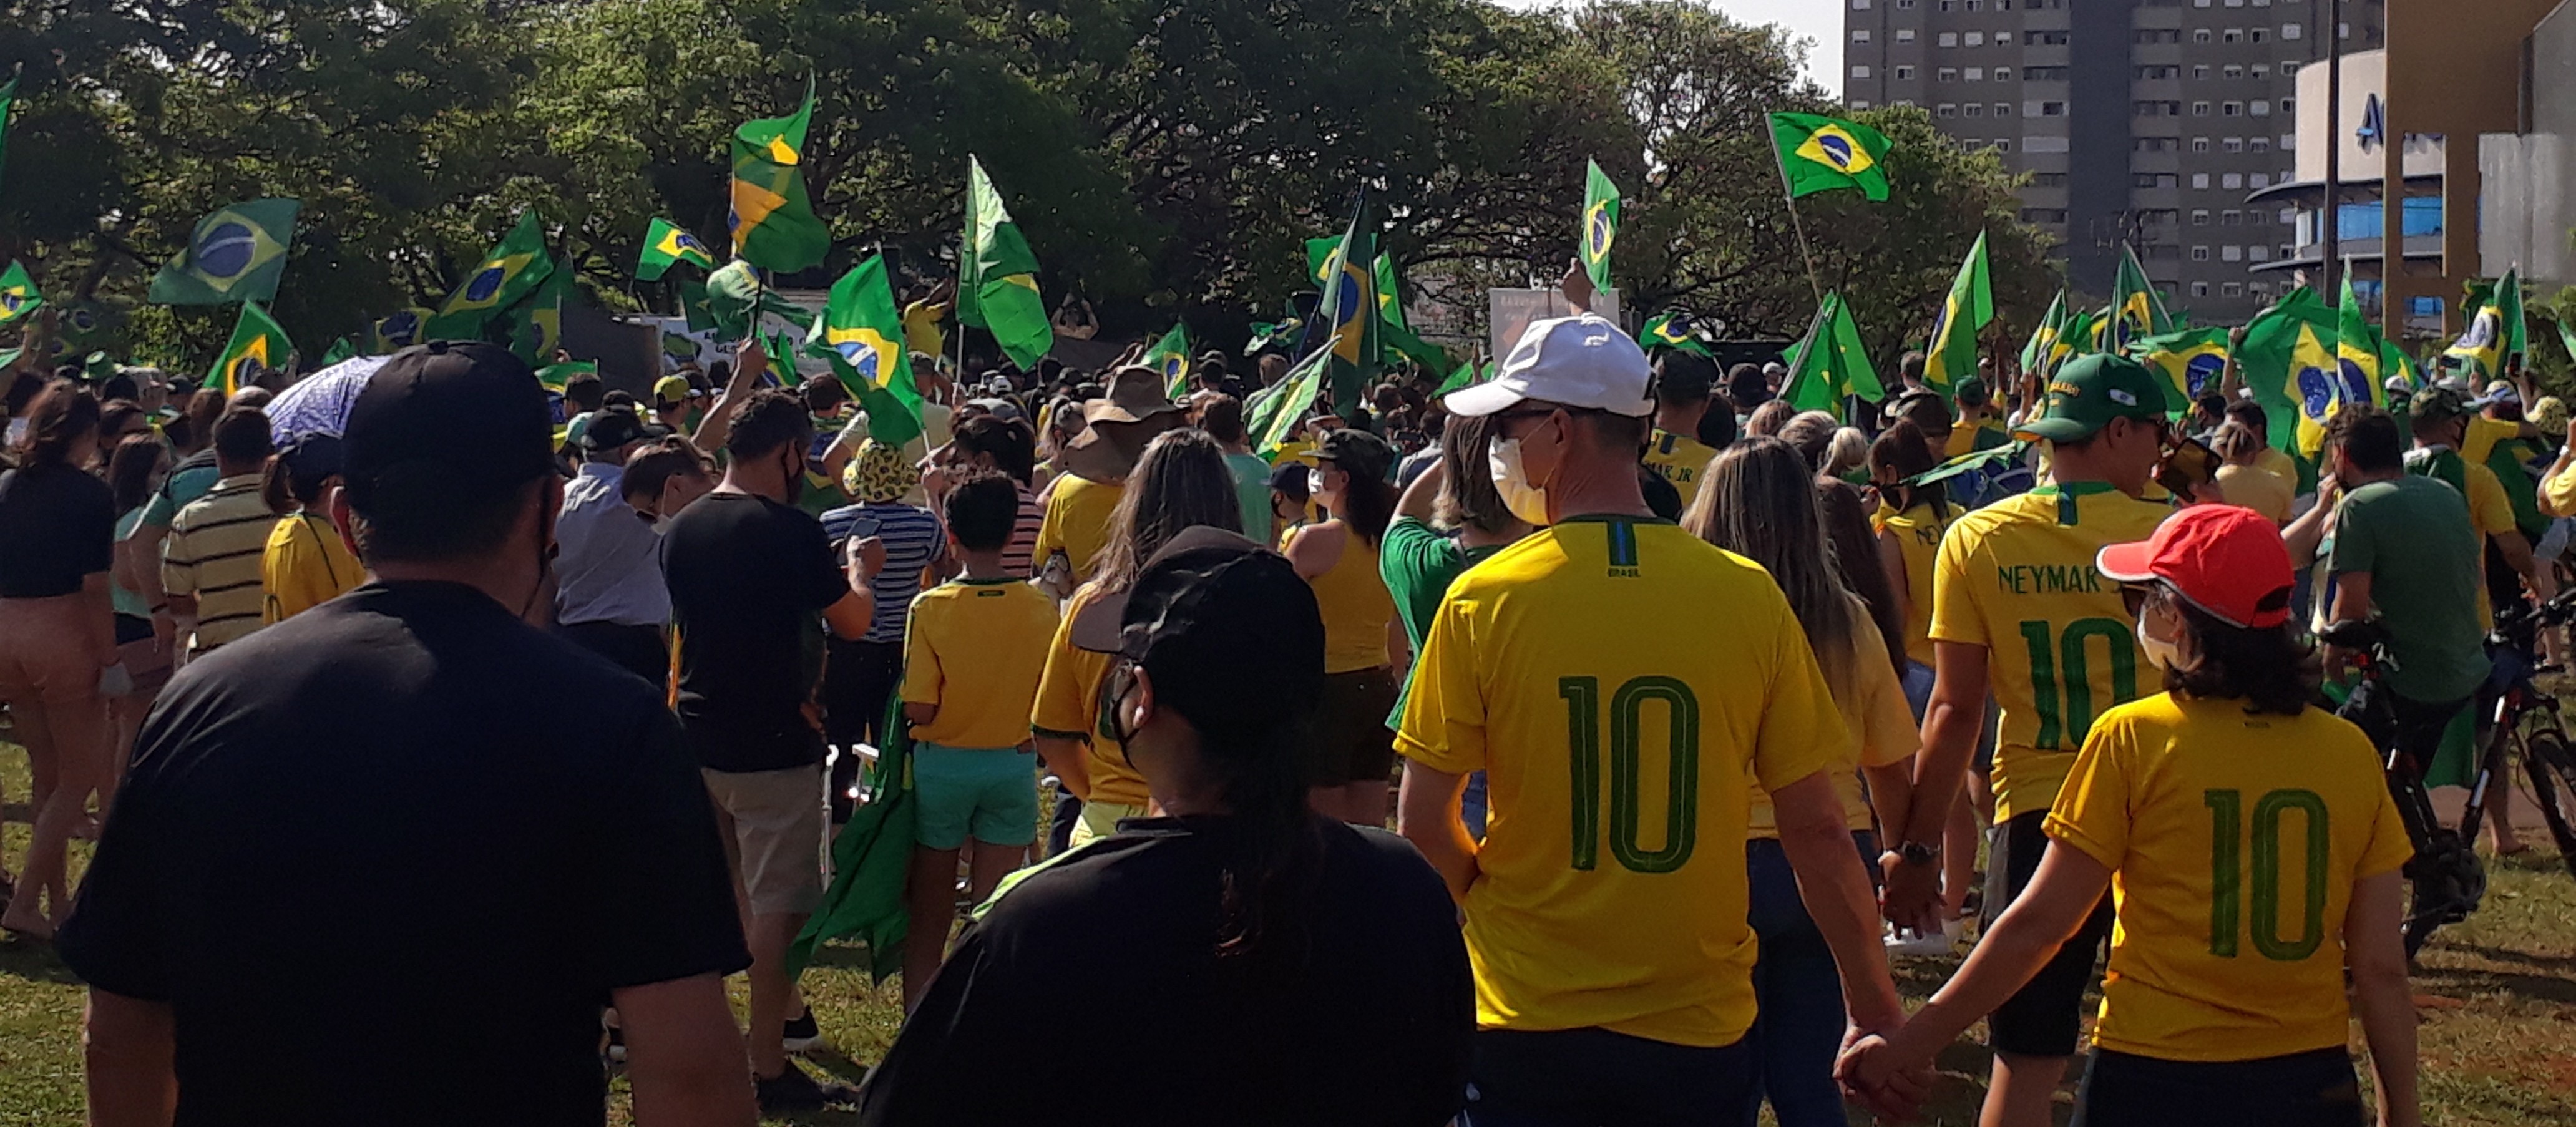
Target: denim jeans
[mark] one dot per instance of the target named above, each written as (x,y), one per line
(1594,1077)
(1799,1027)
(1471,805)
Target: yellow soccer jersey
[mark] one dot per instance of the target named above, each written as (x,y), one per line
(1068,702)
(2558,493)
(1872,701)
(1679,459)
(1918,533)
(976,648)
(2017,577)
(1077,522)
(2235,841)
(1624,685)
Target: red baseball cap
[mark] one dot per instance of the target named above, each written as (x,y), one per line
(2225,560)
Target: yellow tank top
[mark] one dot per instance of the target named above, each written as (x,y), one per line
(1356,608)
(1918,539)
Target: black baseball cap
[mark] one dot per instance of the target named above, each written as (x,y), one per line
(446,418)
(1229,632)
(1289,477)
(610,429)
(1357,452)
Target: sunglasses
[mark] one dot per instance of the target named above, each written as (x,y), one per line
(2136,596)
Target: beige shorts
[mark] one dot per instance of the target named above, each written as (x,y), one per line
(1100,819)
(774,821)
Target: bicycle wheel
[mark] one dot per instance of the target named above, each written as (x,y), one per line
(2552,766)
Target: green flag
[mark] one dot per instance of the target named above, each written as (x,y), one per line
(2496,332)
(2036,352)
(1600,223)
(340,350)
(1676,330)
(2190,360)
(666,245)
(1390,300)
(2136,311)
(258,346)
(774,226)
(18,296)
(693,307)
(232,255)
(1275,412)
(1345,325)
(513,267)
(396,330)
(2358,350)
(997,285)
(733,299)
(2288,361)
(861,327)
(8,116)
(1465,376)
(539,328)
(871,863)
(556,375)
(1952,354)
(1820,154)
(1431,358)
(1830,364)
(1171,357)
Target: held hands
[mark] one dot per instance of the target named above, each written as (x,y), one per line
(1877,1075)
(1912,896)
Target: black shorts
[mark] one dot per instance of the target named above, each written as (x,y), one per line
(1352,743)
(2311,1089)
(2045,1017)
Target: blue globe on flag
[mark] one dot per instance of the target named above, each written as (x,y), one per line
(227,250)
(862,358)
(1597,230)
(485,283)
(401,328)
(2202,370)
(2356,383)
(2316,392)
(1837,149)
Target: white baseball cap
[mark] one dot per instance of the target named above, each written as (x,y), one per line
(1581,361)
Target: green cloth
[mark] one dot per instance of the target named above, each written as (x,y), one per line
(1951,355)
(507,272)
(997,285)
(1819,154)
(258,346)
(1252,491)
(666,245)
(2511,461)
(774,225)
(1830,364)
(232,255)
(1600,223)
(1418,564)
(2412,536)
(18,294)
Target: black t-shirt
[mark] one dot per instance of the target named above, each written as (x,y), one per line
(57,525)
(749,579)
(385,861)
(1091,992)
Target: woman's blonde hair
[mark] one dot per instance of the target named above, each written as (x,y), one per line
(1180,482)
(1759,501)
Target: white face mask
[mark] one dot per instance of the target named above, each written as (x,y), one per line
(2162,653)
(1314,482)
(1526,501)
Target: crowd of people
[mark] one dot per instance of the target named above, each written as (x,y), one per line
(439,758)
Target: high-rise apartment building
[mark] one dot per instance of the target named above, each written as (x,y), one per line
(2144,120)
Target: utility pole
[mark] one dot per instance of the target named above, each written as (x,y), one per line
(2328,271)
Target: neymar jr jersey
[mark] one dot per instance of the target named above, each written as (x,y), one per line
(2234,842)
(1918,533)
(2017,577)
(1679,459)
(1623,684)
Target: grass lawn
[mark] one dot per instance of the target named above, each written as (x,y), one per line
(2497,995)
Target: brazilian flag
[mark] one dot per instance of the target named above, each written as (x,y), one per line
(1830,364)
(1600,223)
(666,245)
(1673,329)
(2136,312)
(2041,349)
(2289,363)
(539,331)
(774,226)
(8,114)
(341,350)
(861,329)
(233,255)
(397,330)
(2495,333)
(258,347)
(1820,154)
(997,276)
(1346,321)
(1171,357)
(2190,360)
(18,296)
(506,274)
(1952,354)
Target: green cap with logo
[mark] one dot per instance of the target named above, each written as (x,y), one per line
(2089,392)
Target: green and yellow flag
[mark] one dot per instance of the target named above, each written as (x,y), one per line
(341,350)
(861,328)
(232,255)
(539,331)
(1271,418)
(1830,364)
(555,376)
(1952,354)
(1467,375)
(397,330)
(18,295)
(1171,357)
(2496,332)
(2040,348)
(1600,223)
(1346,322)
(2137,311)
(666,245)
(258,346)
(1820,154)
(997,285)
(507,273)
(774,226)
(2190,360)
(2360,351)
(1673,329)
(8,116)
(2288,360)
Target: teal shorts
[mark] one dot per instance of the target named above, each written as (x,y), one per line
(991,793)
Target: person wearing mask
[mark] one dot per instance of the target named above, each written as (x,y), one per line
(2212,1013)
(2018,610)
(305,563)
(974,648)
(993,444)
(1682,398)
(1222,417)
(413,743)
(862,674)
(210,565)
(1353,750)
(144,628)
(1291,503)
(753,584)
(609,597)
(1910,522)
(1614,961)
(1180,483)
(1314,963)
(1758,503)
(1746,389)
(59,660)
(2241,476)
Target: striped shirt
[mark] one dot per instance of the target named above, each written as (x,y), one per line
(913,540)
(213,555)
(1019,557)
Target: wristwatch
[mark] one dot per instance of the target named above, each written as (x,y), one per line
(1917,853)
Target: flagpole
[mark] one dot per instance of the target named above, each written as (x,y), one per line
(1789,195)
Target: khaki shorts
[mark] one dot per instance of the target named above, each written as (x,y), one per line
(1100,819)
(774,820)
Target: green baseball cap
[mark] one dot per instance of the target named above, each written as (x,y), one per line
(2437,404)
(2090,391)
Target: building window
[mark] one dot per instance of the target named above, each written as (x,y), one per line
(2046,179)
(2043,109)
(1905,5)
(2200,254)
(2200,289)
(2200,73)
(2258,289)
(1904,72)
(2260,144)
(2259,108)
(2231,109)
(1860,35)
(2255,34)
(1902,102)
(2200,217)
(2230,217)
(1947,74)
(2044,145)
(2231,253)
(1974,5)
(1860,70)
(2262,70)
(2287,250)
(2232,181)
(2200,35)
(2044,38)
(2200,144)
(1975,74)
(2231,289)
(2200,180)
(1976,39)
(1949,39)
(1946,109)
(1860,5)
(2258,253)
(1973,109)
(2232,35)
(2233,144)
(2291,215)
(2003,74)
(2003,109)
(2002,144)
(1859,103)
(2290,31)
(2287,108)
(2043,215)
(2200,109)
(1905,35)
(2259,180)
(2231,70)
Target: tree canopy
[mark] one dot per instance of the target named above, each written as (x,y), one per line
(1165,159)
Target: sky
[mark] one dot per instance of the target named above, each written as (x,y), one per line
(1819,20)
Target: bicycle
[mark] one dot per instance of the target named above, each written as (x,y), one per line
(2445,877)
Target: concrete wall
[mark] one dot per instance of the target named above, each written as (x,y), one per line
(2365,76)
(2529,212)
(2457,77)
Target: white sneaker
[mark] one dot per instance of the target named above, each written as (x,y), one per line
(1917,944)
